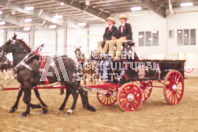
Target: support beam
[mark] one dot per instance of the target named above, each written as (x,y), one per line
(87,9)
(65,39)
(18,23)
(56,39)
(5,35)
(154,7)
(36,12)
(32,37)
(10,19)
(88,39)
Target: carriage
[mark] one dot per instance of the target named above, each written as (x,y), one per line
(136,80)
(130,80)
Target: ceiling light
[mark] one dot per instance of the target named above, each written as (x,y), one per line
(57,16)
(141,36)
(138,8)
(1,12)
(186,4)
(2,23)
(52,26)
(82,24)
(151,39)
(154,31)
(26,28)
(28,20)
(62,3)
(87,2)
(29,8)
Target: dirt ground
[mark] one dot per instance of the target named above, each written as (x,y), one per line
(154,114)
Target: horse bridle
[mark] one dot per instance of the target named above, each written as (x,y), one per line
(14,41)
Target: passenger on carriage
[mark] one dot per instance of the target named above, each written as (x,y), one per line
(124,35)
(110,34)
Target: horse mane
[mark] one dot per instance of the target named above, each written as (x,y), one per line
(24,43)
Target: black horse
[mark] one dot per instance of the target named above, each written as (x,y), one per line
(30,75)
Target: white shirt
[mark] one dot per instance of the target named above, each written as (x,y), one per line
(110,27)
(122,27)
(123,24)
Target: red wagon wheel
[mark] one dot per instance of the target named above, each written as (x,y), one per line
(107,99)
(173,87)
(146,87)
(130,97)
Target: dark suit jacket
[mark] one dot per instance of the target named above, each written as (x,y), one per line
(126,32)
(108,34)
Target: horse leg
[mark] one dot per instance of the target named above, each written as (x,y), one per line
(15,106)
(44,108)
(84,98)
(65,100)
(72,90)
(6,75)
(26,98)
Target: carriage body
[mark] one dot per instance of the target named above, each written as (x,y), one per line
(154,69)
(136,81)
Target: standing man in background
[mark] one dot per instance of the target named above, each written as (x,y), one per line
(110,34)
(124,34)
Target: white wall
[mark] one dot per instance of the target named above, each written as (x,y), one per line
(76,37)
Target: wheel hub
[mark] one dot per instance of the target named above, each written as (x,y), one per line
(130,97)
(108,95)
(174,87)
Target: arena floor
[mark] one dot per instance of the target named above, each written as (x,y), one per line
(154,115)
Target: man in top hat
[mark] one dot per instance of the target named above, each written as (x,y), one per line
(110,34)
(124,34)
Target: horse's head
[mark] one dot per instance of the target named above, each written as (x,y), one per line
(14,45)
(79,55)
(77,51)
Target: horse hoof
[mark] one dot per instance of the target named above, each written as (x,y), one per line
(44,111)
(23,115)
(69,112)
(91,108)
(60,109)
(12,110)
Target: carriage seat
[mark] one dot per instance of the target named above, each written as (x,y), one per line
(125,45)
(130,43)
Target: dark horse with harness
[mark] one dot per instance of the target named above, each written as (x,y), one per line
(29,75)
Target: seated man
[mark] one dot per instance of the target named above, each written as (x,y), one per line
(110,34)
(124,34)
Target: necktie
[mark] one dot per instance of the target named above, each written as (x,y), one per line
(109,29)
(122,29)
